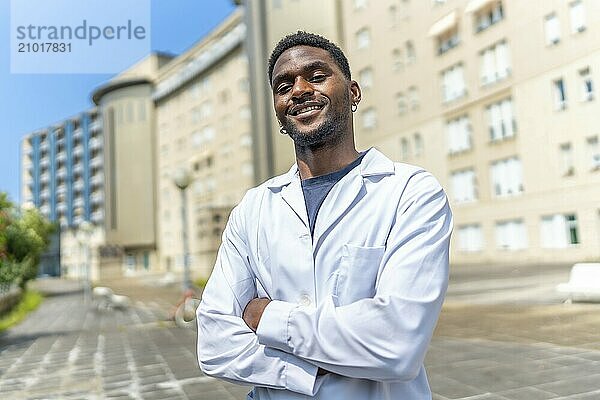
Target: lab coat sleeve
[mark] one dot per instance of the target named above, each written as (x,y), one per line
(384,338)
(226,347)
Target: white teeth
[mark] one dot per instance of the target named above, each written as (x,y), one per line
(307,109)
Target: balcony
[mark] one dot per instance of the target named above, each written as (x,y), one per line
(97,161)
(98,216)
(61,208)
(45,194)
(78,151)
(62,156)
(44,162)
(77,133)
(78,185)
(61,189)
(78,169)
(45,177)
(45,210)
(61,173)
(95,126)
(78,202)
(97,179)
(95,143)
(97,197)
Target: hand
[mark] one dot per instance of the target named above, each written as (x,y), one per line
(253,312)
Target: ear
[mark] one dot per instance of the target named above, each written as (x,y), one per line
(355,92)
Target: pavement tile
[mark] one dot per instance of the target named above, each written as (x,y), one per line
(582,384)
(528,393)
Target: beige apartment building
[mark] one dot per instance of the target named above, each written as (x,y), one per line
(203,119)
(495,97)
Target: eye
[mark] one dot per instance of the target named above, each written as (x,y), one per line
(318,78)
(283,88)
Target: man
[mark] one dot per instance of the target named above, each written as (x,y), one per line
(330,278)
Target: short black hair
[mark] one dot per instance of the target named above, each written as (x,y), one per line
(302,38)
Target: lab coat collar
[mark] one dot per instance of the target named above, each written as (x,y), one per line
(374,163)
(340,199)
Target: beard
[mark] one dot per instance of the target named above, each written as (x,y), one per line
(330,131)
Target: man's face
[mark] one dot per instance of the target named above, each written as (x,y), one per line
(312,96)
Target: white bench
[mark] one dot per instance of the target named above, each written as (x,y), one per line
(584,283)
(104,297)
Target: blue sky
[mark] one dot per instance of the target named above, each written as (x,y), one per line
(29,102)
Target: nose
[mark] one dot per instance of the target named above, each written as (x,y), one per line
(302,88)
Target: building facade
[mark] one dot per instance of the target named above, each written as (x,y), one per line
(203,117)
(62,175)
(496,98)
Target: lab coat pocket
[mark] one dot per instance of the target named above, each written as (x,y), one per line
(357,274)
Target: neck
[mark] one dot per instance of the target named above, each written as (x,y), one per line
(317,161)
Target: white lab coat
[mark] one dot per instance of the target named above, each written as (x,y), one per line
(361,299)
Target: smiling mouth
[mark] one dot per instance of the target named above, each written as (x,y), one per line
(306,109)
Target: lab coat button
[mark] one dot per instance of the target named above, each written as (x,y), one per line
(305,300)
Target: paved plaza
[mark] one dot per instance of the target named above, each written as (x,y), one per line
(503,334)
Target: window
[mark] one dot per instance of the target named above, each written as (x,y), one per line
(200,137)
(363,38)
(507,177)
(411,55)
(245,112)
(464,186)
(458,131)
(559,231)
(393,15)
(593,152)
(566,160)
(358,4)
(511,235)
(397,61)
(419,146)
(401,103)
(488,16)
(495,63)
(552,29)
(470,238)
(501,120)
(205,110)
(577,14)
(369,118)
(587,87)
(142,110)
(366,78)
(560,94)
(453,83)
(246,140)
(448,40)
(197,139)
(413,97)
(244,85)
(247,169)
(404,149)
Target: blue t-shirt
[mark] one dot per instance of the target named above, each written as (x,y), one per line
(316,189)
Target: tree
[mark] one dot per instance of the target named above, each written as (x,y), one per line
(24,236)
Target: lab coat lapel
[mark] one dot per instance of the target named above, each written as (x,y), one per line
(292,194)
(341,198)
(348,192)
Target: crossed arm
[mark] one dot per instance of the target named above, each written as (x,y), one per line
(282,345)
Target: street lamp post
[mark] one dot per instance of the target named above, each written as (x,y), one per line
(182,180)
(85,235)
